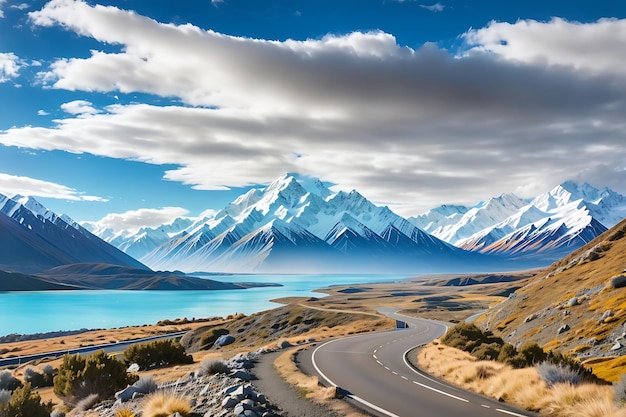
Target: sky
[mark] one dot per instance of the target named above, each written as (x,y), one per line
(135,112)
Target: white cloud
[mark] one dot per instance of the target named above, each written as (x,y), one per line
(2,2)
(436,8)
(133,220)
(597,47)
(79,107)
(411,127)
(9,65)
(11,185)
(21,6)
(42,113)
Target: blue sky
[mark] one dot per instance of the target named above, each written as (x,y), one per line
(145,110)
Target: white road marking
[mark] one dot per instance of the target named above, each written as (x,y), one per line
(440,392)
(511,413)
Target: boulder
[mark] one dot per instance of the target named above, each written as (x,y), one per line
(563,329)
(224,340)
(229,402)
(127,393)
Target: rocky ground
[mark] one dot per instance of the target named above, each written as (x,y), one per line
(235,393)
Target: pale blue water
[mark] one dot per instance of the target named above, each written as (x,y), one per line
(46,311)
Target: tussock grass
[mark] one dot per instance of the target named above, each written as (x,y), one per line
(523,388)
(164,404)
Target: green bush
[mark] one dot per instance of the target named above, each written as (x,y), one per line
(468,337)
(82,376)
(486,351)
(157,353)
(25,403)
(532,353)
(507,353)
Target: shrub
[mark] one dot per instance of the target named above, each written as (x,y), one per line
(86,403)
(164,404)
(8,381)
(81,376)
(38,380)
(553,374)
(146,384)
(619,388)
(584,373)
(210,336)
(531,353)
(507,352)
(157,353)
(25,403)
(212,367)
(466,336)
(485,351)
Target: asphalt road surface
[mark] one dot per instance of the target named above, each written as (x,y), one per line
(372,369)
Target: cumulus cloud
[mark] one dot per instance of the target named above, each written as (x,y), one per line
(2,2)
(79,107)
(408,127)
(133,220)
(9,65)
(11,185)
(596,47)
(42,112)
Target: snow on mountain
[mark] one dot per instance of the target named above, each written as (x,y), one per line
(456,223)
(547,227)
(35,239)
(289,227)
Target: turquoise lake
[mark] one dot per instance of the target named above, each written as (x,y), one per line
(46,311)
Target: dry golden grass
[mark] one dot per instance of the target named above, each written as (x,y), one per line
(94,337)
(520,387)
(608,368)
(164,404)
(309,386)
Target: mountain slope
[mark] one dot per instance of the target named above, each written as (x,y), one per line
(544,228)
(577,304)
(35,239)
(287,227)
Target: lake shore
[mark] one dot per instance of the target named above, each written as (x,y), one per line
(436,297)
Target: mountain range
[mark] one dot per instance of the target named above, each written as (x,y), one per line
(292,226)
(546,227)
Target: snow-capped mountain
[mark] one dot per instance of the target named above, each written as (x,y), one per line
(287,227)
(140,242)
(546,227)
(34,239)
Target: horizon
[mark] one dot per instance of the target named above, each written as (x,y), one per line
(126,106)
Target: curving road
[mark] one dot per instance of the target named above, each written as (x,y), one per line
(373,371)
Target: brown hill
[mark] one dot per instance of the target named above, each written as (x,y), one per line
(577,305)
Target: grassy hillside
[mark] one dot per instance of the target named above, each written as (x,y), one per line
(577,305)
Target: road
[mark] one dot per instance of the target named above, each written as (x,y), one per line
(107,347)
(373,370)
